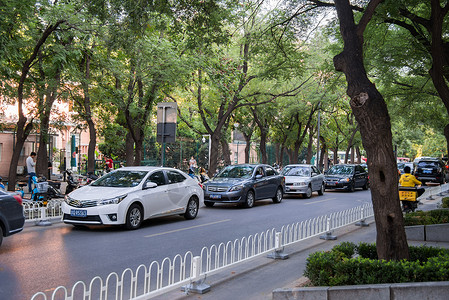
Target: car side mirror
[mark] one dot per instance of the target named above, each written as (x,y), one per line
(149,185)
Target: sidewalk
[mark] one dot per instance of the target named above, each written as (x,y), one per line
(257,278)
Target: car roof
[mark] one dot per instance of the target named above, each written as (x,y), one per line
(298,165)
(144,168)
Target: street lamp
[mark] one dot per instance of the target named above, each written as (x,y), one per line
(236,125)
(208,157)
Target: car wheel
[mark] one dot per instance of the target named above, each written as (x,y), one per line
(209,204)
(321,190)
(134,217)
(351,187)
(192,209)
(278,197)
(308,194)
(1,235)
(249,201)
(366,186)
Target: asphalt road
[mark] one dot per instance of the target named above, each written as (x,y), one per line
(39,259)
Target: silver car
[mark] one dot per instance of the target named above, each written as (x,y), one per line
(303,180)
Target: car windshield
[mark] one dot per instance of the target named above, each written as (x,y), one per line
(296,171)
(341,170)
(121,178)
(236,172)
(427,164)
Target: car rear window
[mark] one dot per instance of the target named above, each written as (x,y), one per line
(427,164)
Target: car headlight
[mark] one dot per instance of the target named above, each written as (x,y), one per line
(115,200)
(67,199)
(299,183)
(236,188)
(344,180)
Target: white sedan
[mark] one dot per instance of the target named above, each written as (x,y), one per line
(129,195)
(303,179)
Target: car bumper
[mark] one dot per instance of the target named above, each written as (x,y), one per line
(229,197)
(295,189)
(428,178)
(337,186)
(98,215)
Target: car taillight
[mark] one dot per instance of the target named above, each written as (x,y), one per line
(18,198)
(201,186)
(447,167)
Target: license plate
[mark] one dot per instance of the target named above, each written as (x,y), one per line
(78,213)
(331,183)
(427,171)
(214,196)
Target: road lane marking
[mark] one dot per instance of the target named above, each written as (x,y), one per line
(187,228)
(320,201)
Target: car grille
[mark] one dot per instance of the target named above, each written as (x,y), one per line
(81,204)
(84,219)
(217,188)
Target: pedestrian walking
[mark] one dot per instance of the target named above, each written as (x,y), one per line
(31,169)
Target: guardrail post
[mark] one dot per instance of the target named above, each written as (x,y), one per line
(328,235)
(362,222)
(196,284)
(43,221)
(278,252)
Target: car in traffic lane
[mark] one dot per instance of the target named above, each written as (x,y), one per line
(129,195)
(12,218)
(431,170)
(303,179)
(346,177)
(244,184)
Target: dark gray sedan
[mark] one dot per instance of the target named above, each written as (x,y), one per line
(244,184)
(11,214)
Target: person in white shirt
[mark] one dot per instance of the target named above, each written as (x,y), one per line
(31,168)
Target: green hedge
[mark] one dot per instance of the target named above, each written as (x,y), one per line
(341,266)
(445,202)
(436,216)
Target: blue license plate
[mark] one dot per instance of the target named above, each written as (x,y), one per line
(427,171)
(214,196)
(78,213)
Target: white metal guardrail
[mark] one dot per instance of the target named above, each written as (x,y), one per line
(158,278)
(189,271)
(36,211)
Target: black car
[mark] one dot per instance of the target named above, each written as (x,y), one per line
(431,170)
(12,218)
(346,177)
(244,184)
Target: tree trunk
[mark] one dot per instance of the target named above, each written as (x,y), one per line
(446,134)
(226,151)
(247,146)
(215,141)
(372,115)
(129,146)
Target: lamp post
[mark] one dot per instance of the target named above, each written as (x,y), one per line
(236,125)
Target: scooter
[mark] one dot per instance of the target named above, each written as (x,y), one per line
(408,197)
(40,191)
(71,183)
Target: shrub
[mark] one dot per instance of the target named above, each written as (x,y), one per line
(436,216)
(338,267)
(445,202)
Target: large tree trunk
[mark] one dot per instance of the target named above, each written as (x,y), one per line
(214,145)
(129,146)
(247,146)
(226,151)
(372,115)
